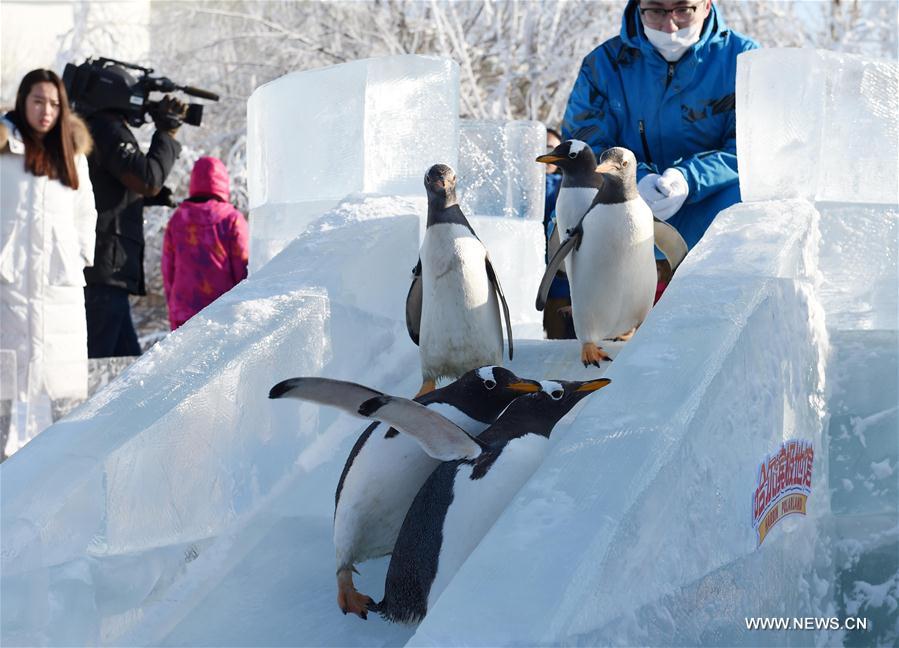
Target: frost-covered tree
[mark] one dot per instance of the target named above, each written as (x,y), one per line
(518,60)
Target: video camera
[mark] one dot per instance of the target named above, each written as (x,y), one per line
(107,84)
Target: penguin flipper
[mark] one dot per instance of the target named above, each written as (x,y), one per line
(413,304)
(494,281)
(670,242)
(343,395)
(572,242)
(439,437)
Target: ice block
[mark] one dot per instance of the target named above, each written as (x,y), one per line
(498,175)
(817,125)
(372,126)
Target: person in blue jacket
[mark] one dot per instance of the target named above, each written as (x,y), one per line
(665,89)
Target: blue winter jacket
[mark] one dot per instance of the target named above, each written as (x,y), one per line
(677,115)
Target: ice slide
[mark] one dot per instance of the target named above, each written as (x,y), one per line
(181,507)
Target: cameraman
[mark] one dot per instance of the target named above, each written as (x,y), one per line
(123,177)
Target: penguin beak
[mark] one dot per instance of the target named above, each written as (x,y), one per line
(524,387)
(593,385)
(607,167)
(549,158)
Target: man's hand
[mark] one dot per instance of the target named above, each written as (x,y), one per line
(170,114)
(648,190)
(673,186)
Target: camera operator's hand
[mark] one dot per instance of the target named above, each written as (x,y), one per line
(163,199)
(170,114)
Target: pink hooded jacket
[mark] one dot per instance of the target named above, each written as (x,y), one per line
(204,253)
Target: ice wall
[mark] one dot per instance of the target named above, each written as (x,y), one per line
(498,173)
(515,247)
(641,516)
(372,126)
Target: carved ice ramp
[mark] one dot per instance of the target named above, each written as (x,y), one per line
(182,507)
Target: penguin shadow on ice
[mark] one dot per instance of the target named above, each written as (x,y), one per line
(608,250)
(453,304)
(464,495)
(386,469)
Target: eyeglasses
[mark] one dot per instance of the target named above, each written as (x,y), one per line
(682,15)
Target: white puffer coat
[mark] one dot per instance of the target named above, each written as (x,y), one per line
(46,240)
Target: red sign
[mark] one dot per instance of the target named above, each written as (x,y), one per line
(784,484)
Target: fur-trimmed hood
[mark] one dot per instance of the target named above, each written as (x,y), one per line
(81,136)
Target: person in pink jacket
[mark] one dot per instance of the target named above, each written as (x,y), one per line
(204,253)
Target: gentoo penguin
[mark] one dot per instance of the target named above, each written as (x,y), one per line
(463,497)
(385,469)
(581,183)
(452,309)
(608,252)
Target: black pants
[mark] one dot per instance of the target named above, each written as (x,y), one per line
(110,331)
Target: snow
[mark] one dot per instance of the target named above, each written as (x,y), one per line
(180,506)
(881,469)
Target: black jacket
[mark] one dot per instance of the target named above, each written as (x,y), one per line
(122,177)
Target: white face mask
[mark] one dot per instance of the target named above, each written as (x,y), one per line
(673,45)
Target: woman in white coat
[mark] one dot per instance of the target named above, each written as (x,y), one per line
(47,221)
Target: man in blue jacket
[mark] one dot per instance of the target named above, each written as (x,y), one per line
(665,89)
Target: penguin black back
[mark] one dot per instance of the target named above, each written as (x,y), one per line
(417,556)
(481,394)
(417,549)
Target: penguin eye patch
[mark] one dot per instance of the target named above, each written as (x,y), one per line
(557,394)
(572,154)
(624,164)
(489,384)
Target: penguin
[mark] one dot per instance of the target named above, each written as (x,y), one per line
(452,308)
(385,469)
(465,495)
(608,254)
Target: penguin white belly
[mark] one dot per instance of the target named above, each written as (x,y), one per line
(477,503)
(460,319)
(613,274)
(572,203)
(383,479)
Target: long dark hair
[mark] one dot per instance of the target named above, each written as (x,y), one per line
(54,155)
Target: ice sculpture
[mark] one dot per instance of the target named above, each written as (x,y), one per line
(817,125)
(182,507)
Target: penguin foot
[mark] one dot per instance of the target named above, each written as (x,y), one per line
(593,355)
(427,386)
(348,598)
(624,337)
